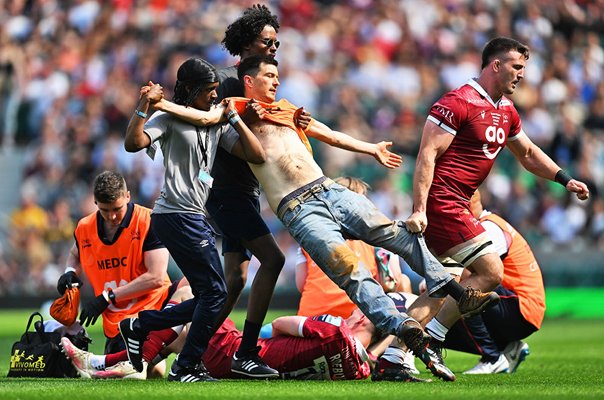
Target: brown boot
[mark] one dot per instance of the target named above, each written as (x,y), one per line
(473,301)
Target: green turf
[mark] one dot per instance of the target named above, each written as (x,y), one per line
(562,302)
(566,361)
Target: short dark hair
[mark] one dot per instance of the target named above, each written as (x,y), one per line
(501,45)
(251,65)
(246,28)
(109,186)
(191,77)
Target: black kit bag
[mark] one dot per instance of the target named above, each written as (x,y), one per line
(38,353)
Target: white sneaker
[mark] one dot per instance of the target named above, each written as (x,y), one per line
(121,370)
(79,358)
(409,362)
(499,366)
(515,353)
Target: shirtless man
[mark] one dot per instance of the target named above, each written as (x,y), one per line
(318,212)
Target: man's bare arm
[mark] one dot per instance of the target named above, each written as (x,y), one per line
(193,115)
(156,261)
(73,259)
(288,326)
(136,138)
(379,151)
(536,161)
(435,141)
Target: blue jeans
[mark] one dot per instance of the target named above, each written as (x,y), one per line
(320,221)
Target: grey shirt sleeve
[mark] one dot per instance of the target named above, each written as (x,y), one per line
(157,125)
(228,138)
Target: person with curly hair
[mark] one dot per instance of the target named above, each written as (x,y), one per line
(234,200)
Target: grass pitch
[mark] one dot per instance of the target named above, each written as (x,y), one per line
(566,361)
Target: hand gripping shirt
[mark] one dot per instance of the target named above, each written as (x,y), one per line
(111,264)
(281,113)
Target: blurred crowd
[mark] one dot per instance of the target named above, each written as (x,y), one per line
(70,72)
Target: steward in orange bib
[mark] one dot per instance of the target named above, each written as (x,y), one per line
(123,260)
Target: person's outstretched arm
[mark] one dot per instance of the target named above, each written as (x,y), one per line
(379,151)
(536,161)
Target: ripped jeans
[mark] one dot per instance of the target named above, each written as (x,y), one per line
(318,219)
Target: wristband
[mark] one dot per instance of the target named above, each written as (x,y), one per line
(234,120)
(562,177)
(111,296)
(231,114)
(141,114)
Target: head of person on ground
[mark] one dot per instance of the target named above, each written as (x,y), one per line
(196,83)
(111,195)
(503,63)
(254,33)
(260,77)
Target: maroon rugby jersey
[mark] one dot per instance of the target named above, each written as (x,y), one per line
(481,129)
(327,351)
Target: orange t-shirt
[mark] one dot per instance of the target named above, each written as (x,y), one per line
(281,113)
(320,295)
(521,273)
(117,264)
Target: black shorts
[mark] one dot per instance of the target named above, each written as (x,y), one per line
(237,215)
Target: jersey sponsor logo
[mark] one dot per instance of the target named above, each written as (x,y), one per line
(448,114)
(317,371)
(114,262)
(493,134)
(86,243)
(136,235)
(337,369)
(487,152)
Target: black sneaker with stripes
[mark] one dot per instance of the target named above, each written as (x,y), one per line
(134,337)
(251,365)
(198,373)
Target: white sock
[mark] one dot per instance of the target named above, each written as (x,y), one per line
(97,362)
(394,355)
(437,330)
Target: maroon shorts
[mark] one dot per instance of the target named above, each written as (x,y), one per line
(450,223)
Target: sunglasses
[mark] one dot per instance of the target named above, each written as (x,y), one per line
(270,42)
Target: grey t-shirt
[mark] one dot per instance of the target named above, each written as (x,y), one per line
(182,146)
